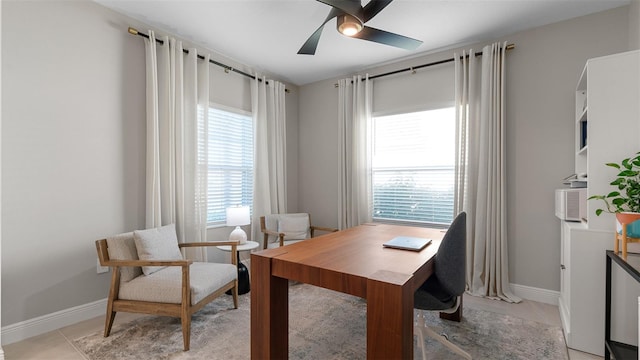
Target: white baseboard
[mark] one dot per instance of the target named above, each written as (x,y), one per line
(536,294)
(40,325)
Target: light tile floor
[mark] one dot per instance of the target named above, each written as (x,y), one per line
(57,344)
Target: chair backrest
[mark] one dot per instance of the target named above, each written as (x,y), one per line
(294,226)
(123,247)
(450,263)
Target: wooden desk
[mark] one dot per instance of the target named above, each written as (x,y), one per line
(351,261)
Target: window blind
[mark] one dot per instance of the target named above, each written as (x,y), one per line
(413,167)
(230,163)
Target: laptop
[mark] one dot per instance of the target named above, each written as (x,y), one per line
(407,243)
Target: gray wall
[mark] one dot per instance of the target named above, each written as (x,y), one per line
(72,165)
(542,73)
(73,154)
(634,25)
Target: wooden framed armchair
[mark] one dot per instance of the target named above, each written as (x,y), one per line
(285,229)
(150,276)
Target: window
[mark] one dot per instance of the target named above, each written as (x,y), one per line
(413,167)
(230,167)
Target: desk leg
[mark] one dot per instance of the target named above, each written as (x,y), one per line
(389,320)
(269,312)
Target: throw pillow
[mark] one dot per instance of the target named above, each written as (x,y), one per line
(157,244)
(294,227)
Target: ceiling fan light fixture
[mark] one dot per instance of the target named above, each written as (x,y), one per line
(348,25)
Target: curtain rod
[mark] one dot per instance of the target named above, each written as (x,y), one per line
(227,68)
(414,68)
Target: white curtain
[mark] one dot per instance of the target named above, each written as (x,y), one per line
(176,173)
(270,171)
(480,170)
(354,151)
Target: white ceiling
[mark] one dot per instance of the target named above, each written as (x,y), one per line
(266,34)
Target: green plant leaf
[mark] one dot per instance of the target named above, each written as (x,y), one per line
(598,212)
(619,201)
(628,173)
(613,165)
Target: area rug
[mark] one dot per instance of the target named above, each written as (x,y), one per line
(323,324)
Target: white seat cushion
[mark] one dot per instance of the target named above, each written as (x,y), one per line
(165,285)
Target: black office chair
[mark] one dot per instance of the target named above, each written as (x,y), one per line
(442,292)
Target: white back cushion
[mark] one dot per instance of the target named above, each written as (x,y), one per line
(157,244)
(294,226)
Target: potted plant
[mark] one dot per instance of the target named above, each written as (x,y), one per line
(625,201)
(627,197)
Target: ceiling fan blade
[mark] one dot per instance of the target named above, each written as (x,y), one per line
(373,8)
(309,46)
(387,38)
(351,7)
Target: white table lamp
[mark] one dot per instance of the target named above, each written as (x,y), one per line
(238,216)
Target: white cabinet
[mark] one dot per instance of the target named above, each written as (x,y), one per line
(582,284)
(607,129)
(612,115)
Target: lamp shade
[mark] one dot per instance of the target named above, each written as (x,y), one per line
(238,216)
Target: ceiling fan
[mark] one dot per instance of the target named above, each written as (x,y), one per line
(351,17)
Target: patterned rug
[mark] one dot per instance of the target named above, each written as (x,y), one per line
(323,325)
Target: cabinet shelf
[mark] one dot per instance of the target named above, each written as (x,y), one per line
(583,115)
(583,151)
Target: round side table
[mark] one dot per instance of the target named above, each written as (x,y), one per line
(243,273)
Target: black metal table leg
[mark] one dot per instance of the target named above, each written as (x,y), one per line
(243,278)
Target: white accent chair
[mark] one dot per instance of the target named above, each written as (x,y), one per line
(150,276)
(284,229)
(442,292)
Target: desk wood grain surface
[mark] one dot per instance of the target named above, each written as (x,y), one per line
(344,260)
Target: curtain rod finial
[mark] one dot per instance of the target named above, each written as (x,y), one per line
(511,46)
(133,31)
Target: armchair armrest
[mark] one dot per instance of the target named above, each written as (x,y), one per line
(234,247)
(116,263)
(327,229)
(268,232)
(273,233)
(208,243)
(320,228)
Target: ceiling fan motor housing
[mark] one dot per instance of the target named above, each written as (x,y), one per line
(348,25)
